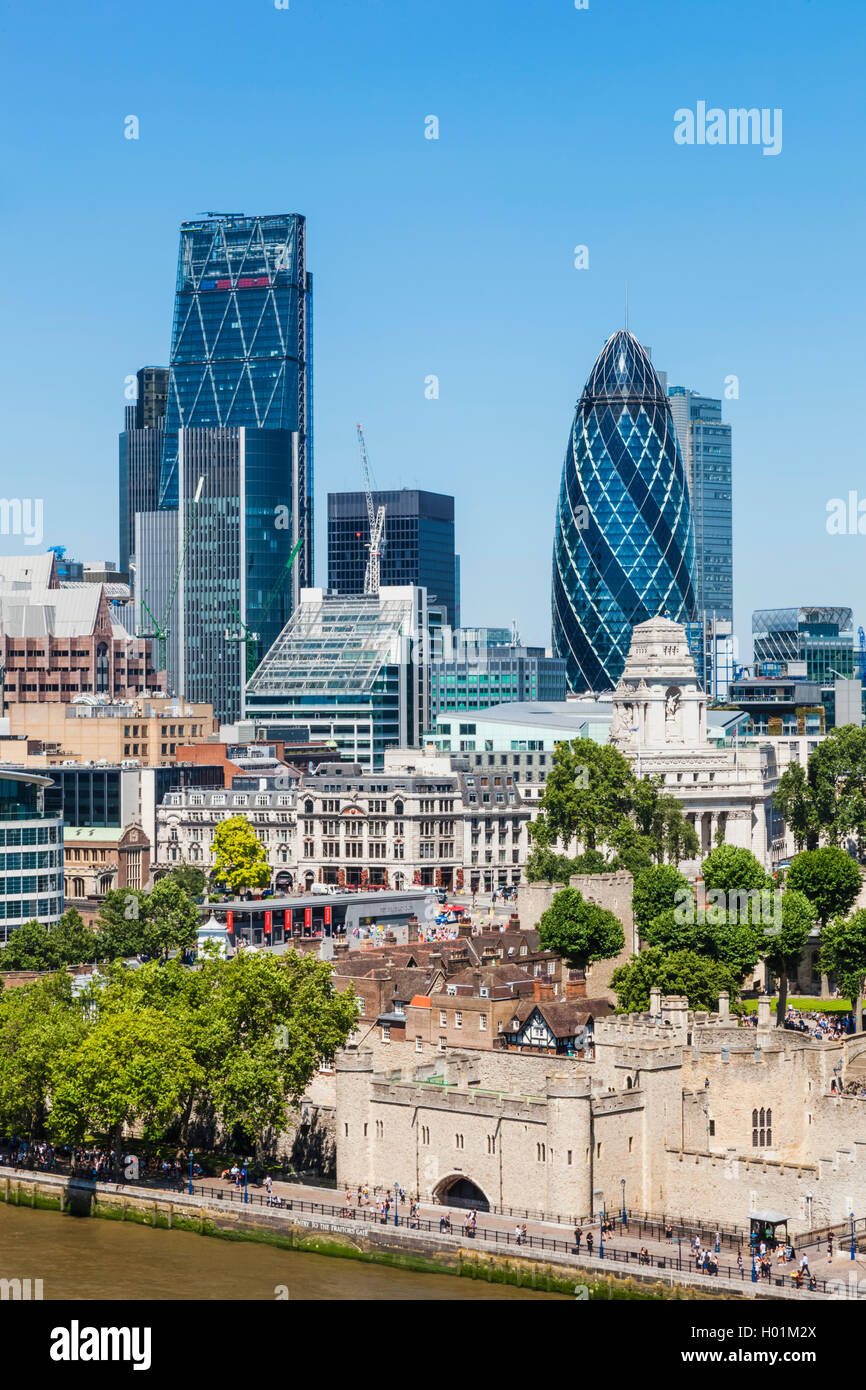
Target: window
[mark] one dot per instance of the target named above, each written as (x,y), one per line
(458,1019)
(458,1141)
(386,1032)
(380,1129)
(491,1143)
(762,1129)
(540,1153)
(425,1134)
(482,1022)
(419,1044)
(443,1044)
(443,1018)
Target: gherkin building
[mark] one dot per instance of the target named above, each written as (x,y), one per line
(624,548)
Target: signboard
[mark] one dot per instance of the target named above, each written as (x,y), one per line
(267,922)
(327,915)
(230,921)
(308,918)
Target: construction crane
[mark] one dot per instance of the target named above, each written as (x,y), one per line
(244,633)
(161,630)
(377,524)
(861,635)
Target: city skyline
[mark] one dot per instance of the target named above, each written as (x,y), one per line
(731,271)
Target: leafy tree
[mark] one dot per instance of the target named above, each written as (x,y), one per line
(680,972)
(240,860)
(732,939)
(169,919)
(34,946)
(39,1023)
(120,921)
(728,869)
(843,950)
(191,878)
(786,946)
(828,800)
(133,1068)
(578,930)
(829,878)
(655,890)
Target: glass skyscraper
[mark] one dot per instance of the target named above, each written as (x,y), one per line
(238,416)
(140,455)
(705,442)
(241,344)
(624,547)
(418,545)
(816,644)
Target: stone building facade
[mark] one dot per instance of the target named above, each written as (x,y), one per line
(187,819)
(681,1113)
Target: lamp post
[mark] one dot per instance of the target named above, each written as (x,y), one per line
(191,1156)
(622,1181)
(396,1196)
(246,1195)
(601,1234)
(852,1235)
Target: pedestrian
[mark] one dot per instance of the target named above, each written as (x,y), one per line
(269,1184)
(669,1233)
(578,1237)
(804,1264)
(523,1232)
(589,1242)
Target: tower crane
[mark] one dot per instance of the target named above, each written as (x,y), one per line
(861,637)
(377,524)
(161,630)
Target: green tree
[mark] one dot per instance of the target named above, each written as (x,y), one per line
(77,943)
(843,950)
(656,890)
(39,1024)
(130,1069)
(30,947)
(121,923)
(829,878)
(734,939)
(681,973)
(728,869)
(579,931)
(191,878)
(828,801)
(786,944)
(169,919)
(240,860)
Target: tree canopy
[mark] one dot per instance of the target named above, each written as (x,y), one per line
(729,869)
(826,802)
(593,799)
(828,877)
(37,946)
(656,890)
(580,931)
(240,858)
(682,972)
(843,950)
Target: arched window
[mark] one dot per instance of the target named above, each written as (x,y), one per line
(308,808)
(398,808)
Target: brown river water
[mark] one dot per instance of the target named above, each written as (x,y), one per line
(85,1258)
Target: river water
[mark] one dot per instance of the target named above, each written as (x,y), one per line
(86,1258)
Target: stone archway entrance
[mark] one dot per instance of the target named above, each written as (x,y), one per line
(459,1191)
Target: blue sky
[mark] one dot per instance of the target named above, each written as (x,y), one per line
(454,257)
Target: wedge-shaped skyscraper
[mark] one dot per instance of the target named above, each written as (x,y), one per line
(624,546)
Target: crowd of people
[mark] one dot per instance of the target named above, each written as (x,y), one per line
(822,1027)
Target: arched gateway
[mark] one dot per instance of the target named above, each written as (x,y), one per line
(459,1191)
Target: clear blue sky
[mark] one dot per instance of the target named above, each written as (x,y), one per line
(455,256)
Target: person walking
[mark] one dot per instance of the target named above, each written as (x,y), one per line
(589,1242)
(578,1237)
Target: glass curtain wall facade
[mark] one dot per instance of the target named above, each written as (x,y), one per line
(418,546)
(241,350)
(817,643)
(624,547)
(140,456)
(31,853)
(705,442)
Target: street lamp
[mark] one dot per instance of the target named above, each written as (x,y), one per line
(396,1197)
(191,1156)
(246,1195)
(622,1181)
(852,1235)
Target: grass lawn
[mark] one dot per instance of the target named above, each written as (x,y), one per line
(822,1006)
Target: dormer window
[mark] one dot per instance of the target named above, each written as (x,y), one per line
(484,992)
(451,989)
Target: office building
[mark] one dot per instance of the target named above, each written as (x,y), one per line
(815,644)
(61,641)
(624,541)
(713,648)
(351,670)
(478,673)
(212,565)
(705,442)
(140,456)
(31,852)
(418,546)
